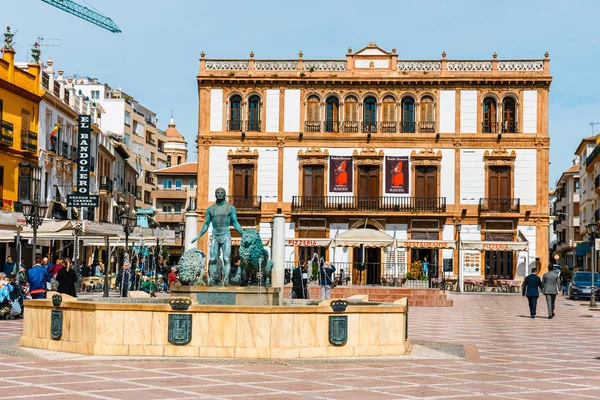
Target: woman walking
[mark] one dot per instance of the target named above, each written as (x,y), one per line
(67,280)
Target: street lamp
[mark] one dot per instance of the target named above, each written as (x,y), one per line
(128,222)
(33,211)
(592,231)
(182,233)
(461,280)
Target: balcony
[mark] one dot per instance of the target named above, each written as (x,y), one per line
(597,182)
(6,133)
(408,127)
(149,180)
(65,150)
(45,80)
(489,127)
(151,141)
(360,203)
(369,127)
(350,126)
(246,203)
(388,127)
(510,127)
(106,185)
(168,217)
(234,125)
(73,153)
(312,126)
(67,97)
(254,125)
(500,205)
(169,194)
(592,156)
(332,126)
(56,90)
(29,141)
(92,164)
(426,127)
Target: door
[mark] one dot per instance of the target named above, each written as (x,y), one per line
(499,189)
(313,187)
(243,185)
(332,113)
(426,255)
(426,188)
(368,187)
(367,266)
(254,114)
(370,115)
(489,115)
(408,115)
(499,265)
(235,119)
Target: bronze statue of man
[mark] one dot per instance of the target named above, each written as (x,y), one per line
(221,215)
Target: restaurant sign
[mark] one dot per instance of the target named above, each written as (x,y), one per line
(427,244)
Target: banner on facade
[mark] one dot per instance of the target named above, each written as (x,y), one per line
(83,155)
(396,174)
(340,174)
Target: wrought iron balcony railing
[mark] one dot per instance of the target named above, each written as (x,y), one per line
(253,125)
(28,141)
(6,133)
(234,125)
(377,203)
(427,127)
(500,205)
(369,126)
(73,153)
(489,127)
(332,126)
(246,203)
(407,127)
(106,184)
(65,150)
(350,126)
(388,127)
(312,126)
(510,127)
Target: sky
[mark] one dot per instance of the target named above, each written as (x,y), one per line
(156,57)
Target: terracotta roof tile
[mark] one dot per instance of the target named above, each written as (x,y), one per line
(187,168)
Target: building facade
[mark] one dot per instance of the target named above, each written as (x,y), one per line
(566,210)
(409,149)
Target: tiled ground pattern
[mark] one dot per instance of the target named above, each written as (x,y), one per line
(519,358)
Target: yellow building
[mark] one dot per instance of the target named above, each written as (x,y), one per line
(20,95)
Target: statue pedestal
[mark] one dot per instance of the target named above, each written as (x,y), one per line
(230,295)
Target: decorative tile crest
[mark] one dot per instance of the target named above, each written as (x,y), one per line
(324,65)
(419,66)
(227,65)
(276,65)
(520,65)
(469,66)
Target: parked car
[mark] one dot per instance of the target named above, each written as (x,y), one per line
(581,285)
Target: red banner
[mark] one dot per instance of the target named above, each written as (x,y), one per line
(340,174)
(396,174)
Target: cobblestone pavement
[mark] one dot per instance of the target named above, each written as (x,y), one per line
(503,354)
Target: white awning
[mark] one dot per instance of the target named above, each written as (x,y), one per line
(363,236)
(426,244)
(11,219)
(493,246)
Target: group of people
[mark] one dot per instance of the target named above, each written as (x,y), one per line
(300,280)
(129,279)
(550,283)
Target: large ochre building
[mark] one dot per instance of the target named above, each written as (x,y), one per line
(408,149)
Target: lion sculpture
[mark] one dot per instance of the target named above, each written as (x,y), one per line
(191,267)
(255,266)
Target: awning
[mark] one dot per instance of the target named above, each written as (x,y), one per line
(362,236)
(12,219)
(426,244)
(494,246)
(583,248)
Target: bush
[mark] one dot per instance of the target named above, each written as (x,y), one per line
(416,270)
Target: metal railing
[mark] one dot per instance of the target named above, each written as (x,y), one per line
(246,203)
(332,126)
(427,127)
(234,125)
(500,205)
(369,126)
(388,127)
(408,127)
(45,80)
(489,127)
(106,184)
(510,127)
(312,126)
(361,203)
(253,125)
(350,126)
(7,133)
(65,150)
(73,153)
(28,141)
(67,96)
(56,90)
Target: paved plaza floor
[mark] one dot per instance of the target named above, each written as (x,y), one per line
(485,347)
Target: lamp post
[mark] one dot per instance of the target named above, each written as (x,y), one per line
(461,280)
(128,222)
(592,231)
(33,211)
(182,234)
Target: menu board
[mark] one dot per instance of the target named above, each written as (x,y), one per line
(471,262)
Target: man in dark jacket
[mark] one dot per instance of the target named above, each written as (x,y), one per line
(326,279)
(530,289)
(300,282)
(9,266)
(124,280)
(38,277)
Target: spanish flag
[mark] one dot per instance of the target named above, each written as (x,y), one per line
(54,131)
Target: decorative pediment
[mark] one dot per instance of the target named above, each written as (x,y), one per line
(427,156)
(372,50)
(499,156)
(368,152)
(368,156)
(242,152)
(313,151)
(313,156)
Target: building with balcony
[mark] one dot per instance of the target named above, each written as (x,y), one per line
(175,186)
(128,121)
(566,208)
(405,148)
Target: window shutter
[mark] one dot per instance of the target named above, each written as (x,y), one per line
(351,111)
(388,112)
(427,111)
(313,111)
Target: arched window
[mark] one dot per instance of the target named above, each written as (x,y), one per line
(490,121)
(351,114)
(427,121)
(235,113)
(313,118)
(178,160)
(408,115)
(388,115)
(509,115)
(253,114)
(168,161)
(332,114)
(369,114)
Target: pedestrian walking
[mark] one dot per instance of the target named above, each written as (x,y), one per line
(531,284)
(326,279)
(67,280)
(565,279)
(38,277)
(300,281)
(124,280)
(551,288)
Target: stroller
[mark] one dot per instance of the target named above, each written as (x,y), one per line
(11,303)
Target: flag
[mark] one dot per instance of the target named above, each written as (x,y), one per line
(54,131)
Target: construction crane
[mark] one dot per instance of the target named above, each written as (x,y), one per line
(85,13)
